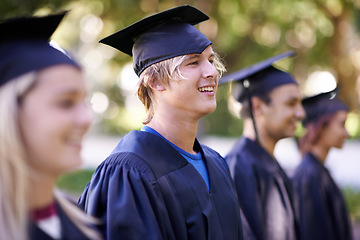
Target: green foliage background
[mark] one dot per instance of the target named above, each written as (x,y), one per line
(324,33)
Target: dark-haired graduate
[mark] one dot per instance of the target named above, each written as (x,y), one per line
(160,182)
(271,107)
(44,117)
(323,212)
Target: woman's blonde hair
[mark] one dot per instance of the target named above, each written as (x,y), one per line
(13,168)
(162,72)
(15,172)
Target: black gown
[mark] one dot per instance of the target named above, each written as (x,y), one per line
(323,213)
(265,193)
(146,190)
(68,229)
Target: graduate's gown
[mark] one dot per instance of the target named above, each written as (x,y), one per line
(323,213)
(265,193)
(68,229)
(146,190)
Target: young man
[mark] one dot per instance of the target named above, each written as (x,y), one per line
(160,183)
(271,107)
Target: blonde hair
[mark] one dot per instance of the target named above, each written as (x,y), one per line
(162,72)
(15,172)
(13,168)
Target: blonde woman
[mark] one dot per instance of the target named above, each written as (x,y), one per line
(43,119)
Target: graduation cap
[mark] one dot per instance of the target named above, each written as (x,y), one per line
(322,104)
(259,79)
(24,46)
(161,36)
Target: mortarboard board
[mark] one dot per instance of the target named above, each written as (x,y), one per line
(322,104)
(258,79)
(24,46)
(161,36)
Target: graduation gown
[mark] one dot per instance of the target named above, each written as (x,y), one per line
(68,229)
(146,190)
(264,191)
(323,213)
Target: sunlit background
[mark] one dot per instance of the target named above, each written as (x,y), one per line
(323,33)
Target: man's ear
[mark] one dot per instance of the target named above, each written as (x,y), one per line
(156,85)
(256,105)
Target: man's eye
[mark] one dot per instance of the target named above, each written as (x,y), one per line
(292,103)
(193,63)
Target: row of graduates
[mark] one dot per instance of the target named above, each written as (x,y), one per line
(160,182)
(309,205)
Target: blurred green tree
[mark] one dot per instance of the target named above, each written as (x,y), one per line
(324,34)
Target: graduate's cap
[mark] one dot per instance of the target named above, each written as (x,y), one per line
(24,46)
(259,79)
(161,36)
(322,104)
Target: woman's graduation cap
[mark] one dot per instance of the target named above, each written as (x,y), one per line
(322,104)
(24,46)
(161,36)
(259,79)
